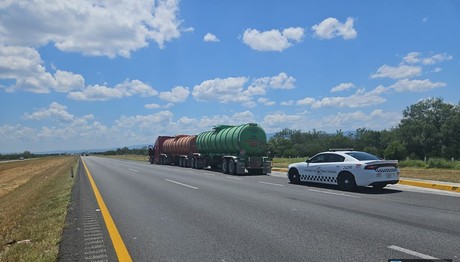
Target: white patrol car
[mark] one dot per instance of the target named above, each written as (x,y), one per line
(345,168)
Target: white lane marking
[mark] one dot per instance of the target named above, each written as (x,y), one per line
(268,183)
(178,183)
(201,173)
(237,178)
(413,253)
(332,193)
(134,170)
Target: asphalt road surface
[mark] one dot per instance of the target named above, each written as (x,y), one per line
(167,213)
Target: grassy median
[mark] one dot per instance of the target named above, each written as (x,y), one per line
(34,195)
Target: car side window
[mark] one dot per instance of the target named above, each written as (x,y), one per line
(335,158)
(318,159)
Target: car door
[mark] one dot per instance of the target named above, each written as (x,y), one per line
(311,173)
(329,170)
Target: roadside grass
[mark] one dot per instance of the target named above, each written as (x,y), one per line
(415,169)
(33,210)
(437,174)
(284,162)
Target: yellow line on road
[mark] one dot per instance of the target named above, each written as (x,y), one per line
(117,241)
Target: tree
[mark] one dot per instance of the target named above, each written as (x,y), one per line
(395,150)
(422,125)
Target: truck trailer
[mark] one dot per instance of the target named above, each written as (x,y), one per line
(233,149)
(177,150)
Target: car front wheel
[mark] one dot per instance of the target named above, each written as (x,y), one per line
(294,176)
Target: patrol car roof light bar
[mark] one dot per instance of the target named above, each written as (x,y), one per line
(340,149)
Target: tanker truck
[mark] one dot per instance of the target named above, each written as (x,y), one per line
(177,150)
(234,149)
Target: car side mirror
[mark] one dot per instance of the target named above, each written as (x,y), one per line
(308,161)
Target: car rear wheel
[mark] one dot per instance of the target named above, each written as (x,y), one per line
(346,181)
(294,176)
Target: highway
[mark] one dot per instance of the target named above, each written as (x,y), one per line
(167,213)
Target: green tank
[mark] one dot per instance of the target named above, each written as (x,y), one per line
(248,139)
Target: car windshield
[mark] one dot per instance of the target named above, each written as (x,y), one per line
(363,156)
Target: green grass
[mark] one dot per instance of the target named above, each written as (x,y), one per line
(284,162)
(32,216)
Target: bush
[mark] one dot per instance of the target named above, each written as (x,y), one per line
(412,163)
(440,163)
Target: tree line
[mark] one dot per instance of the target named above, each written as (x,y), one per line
(428,129)
(125,151)
(24,155)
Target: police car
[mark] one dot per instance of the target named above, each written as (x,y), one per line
(346,168)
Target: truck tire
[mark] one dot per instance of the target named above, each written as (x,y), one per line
(231,167)
(225,166)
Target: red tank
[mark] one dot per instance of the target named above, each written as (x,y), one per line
(177,150)
(180,145)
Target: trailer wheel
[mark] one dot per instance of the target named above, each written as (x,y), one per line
(231,167)
(225,166)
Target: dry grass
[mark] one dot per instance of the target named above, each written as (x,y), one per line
(446,175)
(33,204)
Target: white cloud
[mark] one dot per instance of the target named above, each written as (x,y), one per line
(307,101)
(342,87)
(375,120)
(416,85)
(55,110)
(232,89)
(113,28)
(223,90)
(25,66)
(152,106)
(176,95)
(280,119)
(272,40)
(360,99)
(399,72)
(280,81)
(266,101)
(210,38)
(145,121)
(331,27)
(104,93)
(415,58)
(287,103)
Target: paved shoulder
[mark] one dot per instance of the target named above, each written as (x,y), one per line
(85,236)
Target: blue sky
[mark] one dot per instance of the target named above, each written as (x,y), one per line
(89,74)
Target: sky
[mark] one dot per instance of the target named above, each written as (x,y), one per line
(78,74)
